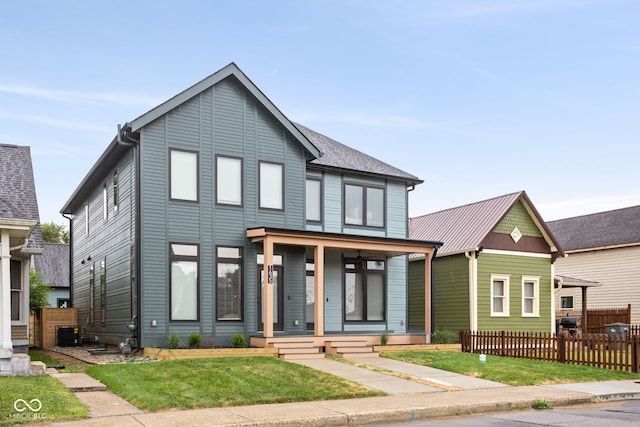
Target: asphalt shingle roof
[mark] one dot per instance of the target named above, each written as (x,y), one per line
(610,228)
(339,156)
(18,189)
(53,264)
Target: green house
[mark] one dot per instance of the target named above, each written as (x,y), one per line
(494,271)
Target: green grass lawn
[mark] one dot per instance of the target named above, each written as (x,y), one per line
(58,403)
(217,382)
(512,371)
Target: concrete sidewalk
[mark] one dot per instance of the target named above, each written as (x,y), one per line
(406,401)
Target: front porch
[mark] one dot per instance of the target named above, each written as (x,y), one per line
(349,346)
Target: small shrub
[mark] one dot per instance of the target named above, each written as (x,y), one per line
(238,340)
(541,404)
(207,343)
(194,340)
(173,341)
(384,338)
(443,337)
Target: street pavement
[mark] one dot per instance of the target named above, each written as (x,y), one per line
(413,392)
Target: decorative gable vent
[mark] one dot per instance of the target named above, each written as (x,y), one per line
(516,235)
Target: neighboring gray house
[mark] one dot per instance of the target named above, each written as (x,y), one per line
(53,266)
(20,238)
(214,213)
(604,248)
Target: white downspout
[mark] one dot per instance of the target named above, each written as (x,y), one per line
(473,289)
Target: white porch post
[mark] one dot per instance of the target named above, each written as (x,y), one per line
(6,347)
(427,292)
(267,299)
(318,289)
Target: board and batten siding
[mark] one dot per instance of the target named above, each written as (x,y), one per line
(617,269)
(110,241)
(514,266)
(222,120)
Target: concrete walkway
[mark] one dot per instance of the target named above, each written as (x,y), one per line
(407,400)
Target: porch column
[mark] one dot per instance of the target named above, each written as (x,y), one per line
(427,293)
(6,347)
(318,289)
(267,283)
(584,310)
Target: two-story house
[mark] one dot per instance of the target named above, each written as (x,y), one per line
(214,213)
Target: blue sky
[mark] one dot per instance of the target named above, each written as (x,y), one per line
(478,98)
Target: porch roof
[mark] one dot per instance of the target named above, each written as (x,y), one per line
(362,244)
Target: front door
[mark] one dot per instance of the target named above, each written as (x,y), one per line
(277,297)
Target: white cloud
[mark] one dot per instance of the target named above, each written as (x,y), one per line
(62,124)
(91,98)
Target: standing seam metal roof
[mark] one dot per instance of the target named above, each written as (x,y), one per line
(465,227)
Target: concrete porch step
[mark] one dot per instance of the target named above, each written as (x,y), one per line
(301,356)
(349,349)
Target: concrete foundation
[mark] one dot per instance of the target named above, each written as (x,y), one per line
(21,365)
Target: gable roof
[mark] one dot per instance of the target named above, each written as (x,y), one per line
(53,265)
(464,228)
(18,189)
(230,70)
(336,155)
(620,227)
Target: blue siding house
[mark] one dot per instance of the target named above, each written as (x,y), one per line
(213,213)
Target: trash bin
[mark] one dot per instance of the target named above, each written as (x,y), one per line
(618,332)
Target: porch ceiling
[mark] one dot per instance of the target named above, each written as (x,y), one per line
(360,245)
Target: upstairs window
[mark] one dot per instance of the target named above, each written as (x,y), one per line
(228,181)
(105,202)
(86,219)
(183,175)
(314,200)
(364,205)
(271,186)
(115,192)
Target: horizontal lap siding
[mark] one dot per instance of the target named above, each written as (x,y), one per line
(618,270)
(516,266)
(451,293)
(108,241)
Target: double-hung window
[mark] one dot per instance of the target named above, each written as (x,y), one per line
(229,284)
(364,205)
(17,290)
(184,287)
(271,185)
(229,181)
(499,295)
(364,290)
(183,175)
(530,296)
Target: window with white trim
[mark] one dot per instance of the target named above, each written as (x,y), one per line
(530,296)
(566,302)
(229,181)
(499,295)
(183,175)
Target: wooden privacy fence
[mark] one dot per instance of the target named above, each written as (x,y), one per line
(599,350)
(598,318)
